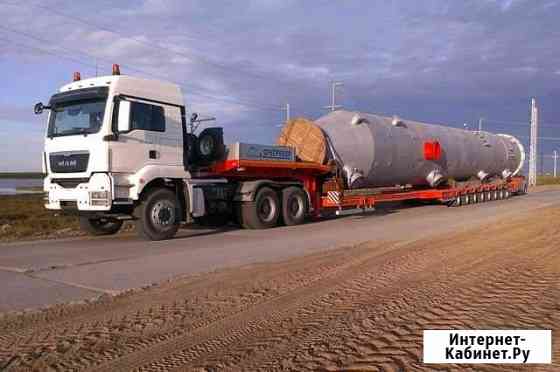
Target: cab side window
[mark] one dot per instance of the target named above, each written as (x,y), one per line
(147,117)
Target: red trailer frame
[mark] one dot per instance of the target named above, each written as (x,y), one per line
(314,176)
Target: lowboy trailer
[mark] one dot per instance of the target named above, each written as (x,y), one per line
(327,196)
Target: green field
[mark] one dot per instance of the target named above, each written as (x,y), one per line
(21,175)
(548,180)
(24,217)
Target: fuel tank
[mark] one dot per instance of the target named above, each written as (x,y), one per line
(375,150)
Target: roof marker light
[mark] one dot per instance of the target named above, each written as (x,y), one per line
(77,76)
(116,69)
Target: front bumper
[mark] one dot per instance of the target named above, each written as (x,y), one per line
(94,194)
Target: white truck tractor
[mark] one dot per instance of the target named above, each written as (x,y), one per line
(118,147)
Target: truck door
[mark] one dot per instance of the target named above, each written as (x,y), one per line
(153,137)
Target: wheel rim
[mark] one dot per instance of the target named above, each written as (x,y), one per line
(295,207)
(267,209)
(163,213)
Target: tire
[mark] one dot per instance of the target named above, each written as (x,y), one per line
(100,226)
(294,206)
(481,197)
(156,215)
(263,212)
(464,200)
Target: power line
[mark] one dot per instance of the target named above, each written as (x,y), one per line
(190,56)
(542,138)
(521,123)
(263,107)
(47,51)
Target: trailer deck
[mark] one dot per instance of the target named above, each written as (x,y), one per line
(326,195)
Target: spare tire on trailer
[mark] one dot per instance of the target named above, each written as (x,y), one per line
(294,206)
(263,212)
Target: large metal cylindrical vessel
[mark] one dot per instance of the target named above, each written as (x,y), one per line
(376,151)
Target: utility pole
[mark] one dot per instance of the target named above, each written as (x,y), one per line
(533,148)
(333,105)
(287,109)
(555,156)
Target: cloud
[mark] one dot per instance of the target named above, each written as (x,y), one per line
(434,60)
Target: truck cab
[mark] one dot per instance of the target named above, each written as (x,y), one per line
(110,142)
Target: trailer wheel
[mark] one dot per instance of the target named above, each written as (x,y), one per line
(156,215)
(458,201)
(488,196)
(100,226)
(263,213)
(294,206)
(481,197)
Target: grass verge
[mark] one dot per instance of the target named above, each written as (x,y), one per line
(548,180)
(24,217)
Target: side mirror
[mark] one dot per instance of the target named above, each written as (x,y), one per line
(123,124)
(39,108)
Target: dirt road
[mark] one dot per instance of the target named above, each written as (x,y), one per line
(360,308)
(40,273)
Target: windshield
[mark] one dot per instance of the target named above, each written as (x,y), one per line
(82,117)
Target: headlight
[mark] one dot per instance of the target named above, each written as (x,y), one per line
(99,195)
(99,198)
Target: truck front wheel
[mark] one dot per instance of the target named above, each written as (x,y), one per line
(100,226)
(156,215)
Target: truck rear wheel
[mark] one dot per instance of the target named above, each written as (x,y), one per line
(294,206)
(263,212)
(157,215)
(100,226)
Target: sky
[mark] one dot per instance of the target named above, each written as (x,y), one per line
(438,61)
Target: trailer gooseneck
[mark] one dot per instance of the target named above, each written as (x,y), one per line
(119,147)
